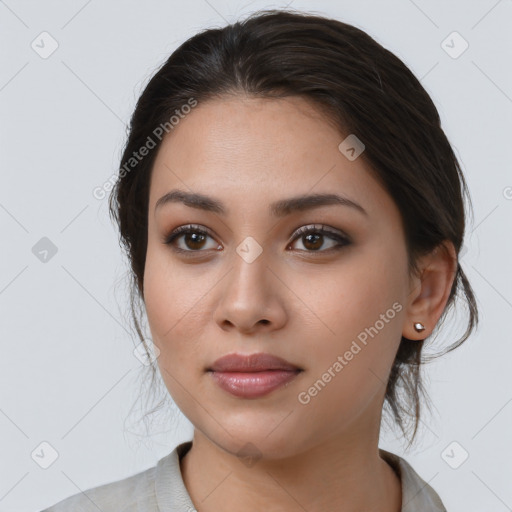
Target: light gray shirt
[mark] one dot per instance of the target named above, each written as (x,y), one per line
(161,489)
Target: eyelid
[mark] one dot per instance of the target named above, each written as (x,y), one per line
(322,228)
(184,229)
(337,235)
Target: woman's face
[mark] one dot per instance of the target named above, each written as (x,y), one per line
(334,307)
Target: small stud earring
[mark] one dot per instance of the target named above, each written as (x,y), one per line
(419,327)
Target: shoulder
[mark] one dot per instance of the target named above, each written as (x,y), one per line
(417,495)
(157,489)
(132,494)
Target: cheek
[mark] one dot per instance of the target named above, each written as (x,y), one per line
(170,307)
(171,296)
(358,318)
(178,312)
(346,301)
(168,317)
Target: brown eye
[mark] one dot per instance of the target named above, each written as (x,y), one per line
(193,237)
(313,238)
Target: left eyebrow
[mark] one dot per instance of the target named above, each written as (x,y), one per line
(279,208)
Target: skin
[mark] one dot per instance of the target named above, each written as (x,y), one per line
(303,305)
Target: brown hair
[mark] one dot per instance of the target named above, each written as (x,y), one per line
(363,89)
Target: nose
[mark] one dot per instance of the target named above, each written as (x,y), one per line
(251,297)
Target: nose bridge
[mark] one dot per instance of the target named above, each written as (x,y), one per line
(249,271)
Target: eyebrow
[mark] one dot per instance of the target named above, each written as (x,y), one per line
(279,208)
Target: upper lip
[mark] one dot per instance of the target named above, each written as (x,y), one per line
(251,363)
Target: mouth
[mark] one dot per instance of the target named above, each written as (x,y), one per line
(252,376)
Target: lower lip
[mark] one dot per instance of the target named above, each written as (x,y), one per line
(253,384)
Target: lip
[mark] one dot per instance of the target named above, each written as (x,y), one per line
(251,363)
(253,384)
(253,375)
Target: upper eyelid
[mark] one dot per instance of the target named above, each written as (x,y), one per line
(320,227)
(296,233)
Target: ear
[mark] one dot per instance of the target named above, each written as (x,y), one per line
(429,292)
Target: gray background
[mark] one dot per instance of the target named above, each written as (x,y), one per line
(68,374)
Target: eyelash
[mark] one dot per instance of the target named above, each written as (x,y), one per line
(342,240)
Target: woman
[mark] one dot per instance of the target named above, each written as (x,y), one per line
(293,213)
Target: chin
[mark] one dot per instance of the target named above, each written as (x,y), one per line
(251,445)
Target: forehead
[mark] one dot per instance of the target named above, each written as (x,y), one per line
(240,148)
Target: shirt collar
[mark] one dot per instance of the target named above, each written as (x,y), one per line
(417,495)
(172,495)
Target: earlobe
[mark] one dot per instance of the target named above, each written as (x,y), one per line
(431,291)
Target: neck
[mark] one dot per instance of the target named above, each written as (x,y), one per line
(346,475)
